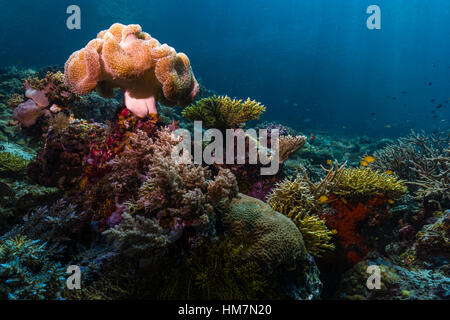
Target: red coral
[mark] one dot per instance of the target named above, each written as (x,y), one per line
(347,219)
(101,153)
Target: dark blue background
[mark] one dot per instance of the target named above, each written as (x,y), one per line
(313,63)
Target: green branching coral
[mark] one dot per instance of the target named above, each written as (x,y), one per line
(294,199)
(360,184)
(220,272)
(222,112)
(26,272)
(12,165)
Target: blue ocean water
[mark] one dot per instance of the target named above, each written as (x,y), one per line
(313,63)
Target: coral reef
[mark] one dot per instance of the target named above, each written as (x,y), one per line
(347,200)
(276,244)
(26,273)
(397,282)
(146,71)
(423,161)
(315,233)
(434,238)
(66,148)
(414,148)
(60,226)
(220,272)
(105,108)
(294,199)
(137,235)
(359,198)
(434,178)
(222,112)
(178,197)
(87,181)
(349,221)
(45,96)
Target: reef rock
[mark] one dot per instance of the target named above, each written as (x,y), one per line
(398,282)
(434,239)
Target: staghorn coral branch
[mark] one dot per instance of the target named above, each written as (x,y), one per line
(434,177)
(323,186)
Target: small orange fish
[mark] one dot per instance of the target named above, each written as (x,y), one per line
(323,199)
(390,201)
(364,163)
(329,162)
(369,159)
(389,172)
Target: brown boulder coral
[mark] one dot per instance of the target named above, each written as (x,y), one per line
(275,239)
(127,58)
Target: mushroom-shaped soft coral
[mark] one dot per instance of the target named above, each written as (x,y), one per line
(127,58)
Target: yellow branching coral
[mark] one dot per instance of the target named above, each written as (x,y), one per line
(364,183)
(288,145)
(316,235)
(322,187)
(295,200)
(222,112)
(290,194)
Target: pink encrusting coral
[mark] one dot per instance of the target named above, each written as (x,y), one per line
(46,96)
(28,112)
(127,58)
(38,96)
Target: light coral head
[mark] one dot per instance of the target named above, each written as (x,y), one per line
(27,113)
(125,57)
(38,96)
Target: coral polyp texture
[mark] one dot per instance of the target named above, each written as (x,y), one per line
(294,199)
(222,112)
(275,241)
(364,183)
(127,58)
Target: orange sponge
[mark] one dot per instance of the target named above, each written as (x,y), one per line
(127,58)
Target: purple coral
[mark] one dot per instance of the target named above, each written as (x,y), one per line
(28,112)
